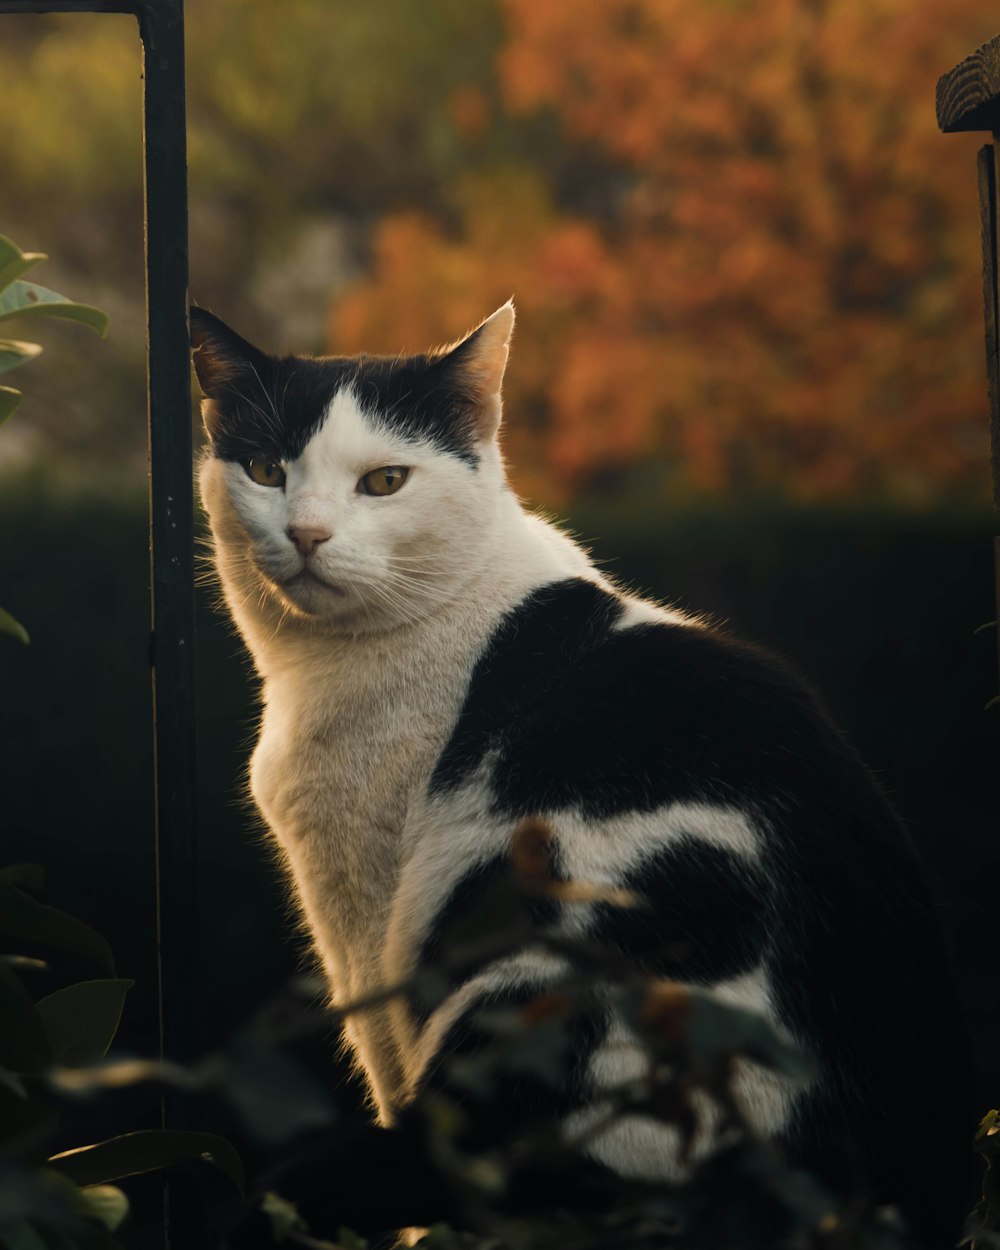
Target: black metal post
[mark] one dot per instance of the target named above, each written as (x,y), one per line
(161,28)
(968,98)
(161,24)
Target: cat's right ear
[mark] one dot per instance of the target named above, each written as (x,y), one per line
(478,362)
(228,367)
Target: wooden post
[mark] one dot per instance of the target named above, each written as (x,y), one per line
(968,98)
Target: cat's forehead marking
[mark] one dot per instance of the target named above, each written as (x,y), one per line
(411,396)
(347,437)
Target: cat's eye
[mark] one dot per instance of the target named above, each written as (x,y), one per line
(265,472)
(384,481)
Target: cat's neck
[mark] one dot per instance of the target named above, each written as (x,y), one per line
(513,552)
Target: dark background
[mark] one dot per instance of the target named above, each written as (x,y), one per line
(877,609)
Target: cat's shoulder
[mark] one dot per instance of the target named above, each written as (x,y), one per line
(585,695)
(584,626)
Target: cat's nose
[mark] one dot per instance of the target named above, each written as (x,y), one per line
(307,538)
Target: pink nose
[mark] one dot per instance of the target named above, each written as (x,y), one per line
(307,538)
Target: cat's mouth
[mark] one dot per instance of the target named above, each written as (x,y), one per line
(306,579)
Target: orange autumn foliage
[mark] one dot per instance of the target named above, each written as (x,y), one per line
(780,289)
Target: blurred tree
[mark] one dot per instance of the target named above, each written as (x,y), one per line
(743,256)
(779,293)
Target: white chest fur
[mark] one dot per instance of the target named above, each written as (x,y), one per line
(345,747)
(347,743)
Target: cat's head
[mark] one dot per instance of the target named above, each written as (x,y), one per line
(357,492)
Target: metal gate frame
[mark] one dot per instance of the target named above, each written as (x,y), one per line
(171,529)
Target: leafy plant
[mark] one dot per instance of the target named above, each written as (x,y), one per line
(527,1183)
(27,299)
(982,1229)
(67,1200)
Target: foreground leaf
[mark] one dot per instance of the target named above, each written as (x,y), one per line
(27,923)
(24,1237)
(23,1046)
(81,1020)
(147,1151)
(8,625)
(37,1201)
(987,1144)
(14,262)
(28,1117)
(28,299)
(29,877)
(275,1097)
(9,400)
(708,1029)
(106,1203)
(14,353)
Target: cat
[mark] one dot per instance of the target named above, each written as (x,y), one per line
(438,664)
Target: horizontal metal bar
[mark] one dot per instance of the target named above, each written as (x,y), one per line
(75,6)
(67,6)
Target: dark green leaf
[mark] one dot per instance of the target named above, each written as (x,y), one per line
(14,353)
(500,909)
(276,1098)
(23,1046)
(283,1216)
(27,1118)
(81,1020)
(9,400)
(709,1029)
(719,1027)
(987,1138)
(8,625)
(26,925)
(50,1207)
(23,963)
(105,1203)
(24,1237)
(347,1239)
(147,1151)
(30,877)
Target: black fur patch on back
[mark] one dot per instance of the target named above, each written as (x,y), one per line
(580,715)
(270,406)
(705,917)
(536,652)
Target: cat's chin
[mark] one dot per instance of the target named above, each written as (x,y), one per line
(311,595)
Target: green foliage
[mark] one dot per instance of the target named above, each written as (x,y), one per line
(27,299)
(20,299)
(81,1020)
(66,1201)
(25,919)
(982,1230)
(132,1154)
(744,1195)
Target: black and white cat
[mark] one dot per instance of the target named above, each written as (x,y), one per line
(437,664)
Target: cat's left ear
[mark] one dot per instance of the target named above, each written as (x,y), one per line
(228,367)
(220,355)
(477,364)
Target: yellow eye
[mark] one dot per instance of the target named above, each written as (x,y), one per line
(384,481)
(265,472)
